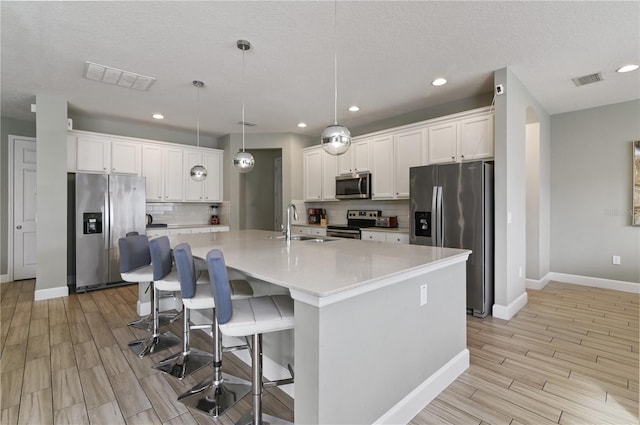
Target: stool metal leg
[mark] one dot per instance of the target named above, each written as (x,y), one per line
(255,415)
(189,360)
(217,394)
(146,323)
(158,341)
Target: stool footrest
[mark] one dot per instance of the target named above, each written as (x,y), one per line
(231,348)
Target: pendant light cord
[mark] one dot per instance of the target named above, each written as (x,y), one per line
(243,91)
(198,117)
(335,62)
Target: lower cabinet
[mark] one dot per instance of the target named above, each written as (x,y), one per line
(155,232)
(381,236)
(309,230)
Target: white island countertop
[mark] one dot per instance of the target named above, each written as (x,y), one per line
(320,273)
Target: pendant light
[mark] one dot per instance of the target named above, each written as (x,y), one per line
(243,161)
(198,172)
(335,139)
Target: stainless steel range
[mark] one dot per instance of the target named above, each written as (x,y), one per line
(356,220)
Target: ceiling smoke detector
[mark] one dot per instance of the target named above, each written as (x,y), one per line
(117,77)
(587,79)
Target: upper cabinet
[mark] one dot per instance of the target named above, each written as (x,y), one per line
(389,154)
(99,154)
(319,174)
(357,158)
(164,165)
(461,140)
(210,189)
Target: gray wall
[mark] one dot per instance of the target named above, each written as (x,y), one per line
(256,191)
(291,146)
(51,197)
(591,170)
(512,112)
(16,128)
(120,127)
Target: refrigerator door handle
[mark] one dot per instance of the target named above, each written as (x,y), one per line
(434,215)
(108,210)
(439,218)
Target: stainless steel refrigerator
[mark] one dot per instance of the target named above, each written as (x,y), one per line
(102,209)
(451,205)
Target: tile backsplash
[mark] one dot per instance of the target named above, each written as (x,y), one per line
(186,213)
(337,211)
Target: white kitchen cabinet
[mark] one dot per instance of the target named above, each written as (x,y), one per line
(382,167)
(476,137)
(163,169)
(382,236)
(98,154)
(153,172)
(408,151)
(443,139)
(319,174)
(356,159)
(312,174)
(93,154)
(462,140)
(214,163)
(329,172)
(308,230)
(125,157)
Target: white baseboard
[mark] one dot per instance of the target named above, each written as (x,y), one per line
(4,278)
(270,369)
(46,294)
(507,312)
(595,282)
(407,408)
(538,284)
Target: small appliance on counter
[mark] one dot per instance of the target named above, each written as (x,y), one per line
(315,215)
(214,215)
(387,221)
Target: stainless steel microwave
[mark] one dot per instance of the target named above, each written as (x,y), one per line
(353,186)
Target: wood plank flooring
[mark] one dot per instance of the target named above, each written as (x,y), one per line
(569,357)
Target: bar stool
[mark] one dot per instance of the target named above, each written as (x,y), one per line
(135,266)
(249,317)
(215,395)
(166,279)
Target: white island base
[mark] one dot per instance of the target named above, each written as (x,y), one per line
(366,350)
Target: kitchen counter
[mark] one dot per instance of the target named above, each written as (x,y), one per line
(357,306)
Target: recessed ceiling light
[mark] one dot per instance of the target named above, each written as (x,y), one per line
(627,68)
(354,108)
(158,116)
(439,82)
(302,124)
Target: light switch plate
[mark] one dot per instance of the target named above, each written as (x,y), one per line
(423,294)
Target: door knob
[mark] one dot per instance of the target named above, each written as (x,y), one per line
(18,227)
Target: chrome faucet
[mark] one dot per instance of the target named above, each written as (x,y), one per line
(287,230)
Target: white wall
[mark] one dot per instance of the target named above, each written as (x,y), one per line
(591,194)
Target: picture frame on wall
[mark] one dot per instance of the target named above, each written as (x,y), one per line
(636,184)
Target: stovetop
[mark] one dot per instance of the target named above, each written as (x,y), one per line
(357,219)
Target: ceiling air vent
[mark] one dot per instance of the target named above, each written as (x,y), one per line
(587,79)
(118,77)
(247,123)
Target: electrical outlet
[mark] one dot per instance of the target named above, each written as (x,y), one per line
(615,260)
(423,294)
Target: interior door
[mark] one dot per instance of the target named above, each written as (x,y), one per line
(24,209)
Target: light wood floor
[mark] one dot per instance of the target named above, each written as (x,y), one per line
(570,357)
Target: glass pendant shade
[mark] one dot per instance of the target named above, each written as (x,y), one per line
(198,173)
(243,161)
(335,139)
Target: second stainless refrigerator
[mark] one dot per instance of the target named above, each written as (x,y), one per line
(451,205)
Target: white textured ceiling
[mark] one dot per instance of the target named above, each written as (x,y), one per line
(388,53)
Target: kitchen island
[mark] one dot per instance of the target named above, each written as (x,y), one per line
(366,350)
